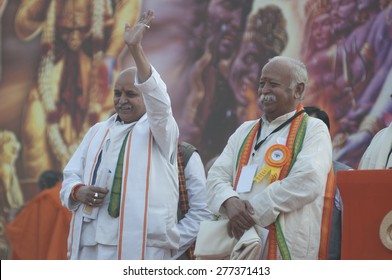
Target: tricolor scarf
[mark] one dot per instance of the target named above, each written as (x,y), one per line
(136,169)
(294,143)
(136,183)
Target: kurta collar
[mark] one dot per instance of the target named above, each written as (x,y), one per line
(118,120)
(278,120)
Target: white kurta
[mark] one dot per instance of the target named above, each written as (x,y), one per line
(376,155)
(298,198)
(188,226)
(150,177)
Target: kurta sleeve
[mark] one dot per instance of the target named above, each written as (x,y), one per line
(73,171)
(159,112)
(220,178)
(197,197)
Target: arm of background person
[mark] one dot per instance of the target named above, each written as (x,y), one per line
(197,197)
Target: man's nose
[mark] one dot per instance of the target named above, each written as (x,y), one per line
(123,99)
(264,89)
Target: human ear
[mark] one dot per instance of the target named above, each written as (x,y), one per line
(299,89)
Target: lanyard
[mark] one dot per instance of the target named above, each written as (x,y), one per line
(389,155)
(258,144)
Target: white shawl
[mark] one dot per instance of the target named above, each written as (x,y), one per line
(376,155)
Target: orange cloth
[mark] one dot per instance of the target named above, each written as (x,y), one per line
(40,230)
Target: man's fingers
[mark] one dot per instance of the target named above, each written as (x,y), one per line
(249,207)
(234,231)
(248,221)
(238,232)
(239,212)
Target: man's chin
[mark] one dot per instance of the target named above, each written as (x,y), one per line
(268,107)
(267,104)
(126,118)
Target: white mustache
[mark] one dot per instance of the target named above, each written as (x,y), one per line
(125,107)
(267,98)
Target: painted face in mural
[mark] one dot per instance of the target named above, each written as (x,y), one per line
(343,14)
(276,94)
(321,31)
(245,71)
(265,37)
(128,100)
(226,22)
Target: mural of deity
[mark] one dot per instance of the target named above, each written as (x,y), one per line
(80,41)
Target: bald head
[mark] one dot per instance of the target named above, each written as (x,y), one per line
(128,73)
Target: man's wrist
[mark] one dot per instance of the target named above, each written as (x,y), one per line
(74,191)
(224,204)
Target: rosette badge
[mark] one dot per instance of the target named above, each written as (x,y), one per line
(276,157)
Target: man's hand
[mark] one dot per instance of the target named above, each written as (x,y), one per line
(133,35)
(92,196)
(239,212)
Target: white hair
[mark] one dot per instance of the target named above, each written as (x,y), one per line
(298,70)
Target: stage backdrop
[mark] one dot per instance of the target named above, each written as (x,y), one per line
(59,59)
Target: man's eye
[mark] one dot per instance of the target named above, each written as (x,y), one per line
(131,94)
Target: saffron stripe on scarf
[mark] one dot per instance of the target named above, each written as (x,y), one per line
(294,143)
(244,152)
(97,154)
(72,229)
(326,220)
(146,197)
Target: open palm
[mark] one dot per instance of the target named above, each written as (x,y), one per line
(134,35)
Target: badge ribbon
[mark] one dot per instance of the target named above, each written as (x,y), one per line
(276,157)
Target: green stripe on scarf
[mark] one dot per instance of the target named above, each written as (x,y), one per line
(242,146)
(115,195)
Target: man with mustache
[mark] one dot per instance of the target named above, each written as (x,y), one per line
(273,171)
(122,182)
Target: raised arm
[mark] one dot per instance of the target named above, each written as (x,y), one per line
(156,98)
(133,37)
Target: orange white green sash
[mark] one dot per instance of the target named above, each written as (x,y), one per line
(132,237)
